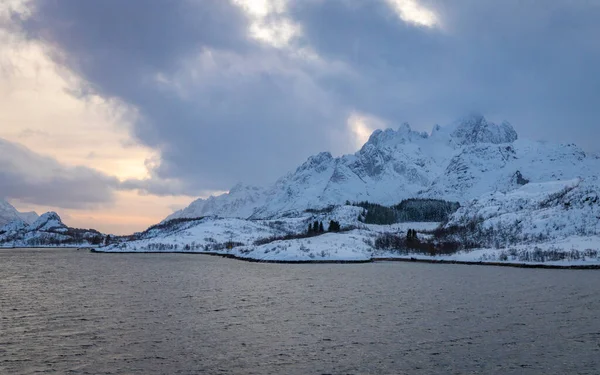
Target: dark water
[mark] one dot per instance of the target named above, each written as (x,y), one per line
(74,312)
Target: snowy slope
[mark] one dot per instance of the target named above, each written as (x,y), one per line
(458,162)
(352,246)
(215,235)
(206,234)
(533,213)
(212,233)
(7,213)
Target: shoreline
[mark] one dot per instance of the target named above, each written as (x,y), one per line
(372,260)
(231,256)
(492,264)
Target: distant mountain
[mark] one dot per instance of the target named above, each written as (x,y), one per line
(458,162)
(8,213)
(47,230)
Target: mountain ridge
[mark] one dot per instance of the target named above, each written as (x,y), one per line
(457,162)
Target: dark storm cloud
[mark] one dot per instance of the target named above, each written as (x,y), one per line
(36,179)
(221,107)
(240,122)
(534,63)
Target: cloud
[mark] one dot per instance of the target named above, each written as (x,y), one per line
(36,179)
(362,126)
(239,90)
(412,12)
(41,109)
(514,60)
(216,104)
(269,21)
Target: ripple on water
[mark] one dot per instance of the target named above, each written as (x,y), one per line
(73,312)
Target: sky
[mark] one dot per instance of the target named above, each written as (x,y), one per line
(115,113)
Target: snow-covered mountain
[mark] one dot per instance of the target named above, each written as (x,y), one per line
(8,213)
(522,201)
(47,230)
(458,162)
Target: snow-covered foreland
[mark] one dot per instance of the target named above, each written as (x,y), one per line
(47,230)
(268,240)
(522,202)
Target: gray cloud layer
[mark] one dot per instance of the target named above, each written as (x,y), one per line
(36,179)
(222,108)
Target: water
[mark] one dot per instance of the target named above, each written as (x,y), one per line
(74,312)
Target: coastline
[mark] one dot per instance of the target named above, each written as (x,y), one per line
(362,261)
(231,256)
(46,247)
(376,259)
(492,264)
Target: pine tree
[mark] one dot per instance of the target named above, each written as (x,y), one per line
(334,226)
(321,229)
(316,227)
(411,235)
(310,228)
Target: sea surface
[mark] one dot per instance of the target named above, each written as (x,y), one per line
(75,312)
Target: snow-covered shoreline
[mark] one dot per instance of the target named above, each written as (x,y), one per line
(411,258)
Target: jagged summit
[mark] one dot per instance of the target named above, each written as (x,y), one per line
(457,162)
(318,162)
(391,137)
(474,129)
(468,130)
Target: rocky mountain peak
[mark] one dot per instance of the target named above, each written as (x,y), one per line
(48,221)
(392,138)
(474,128)
(317,162)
